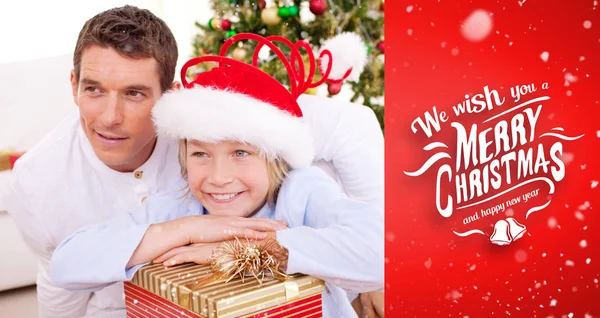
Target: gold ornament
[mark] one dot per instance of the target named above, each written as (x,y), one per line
(311,91)
(215,23)
(270,16)
(239,54)
(249,259)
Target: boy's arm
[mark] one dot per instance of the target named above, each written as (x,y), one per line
(341,240)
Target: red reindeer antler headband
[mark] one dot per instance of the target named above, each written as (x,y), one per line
(238,101)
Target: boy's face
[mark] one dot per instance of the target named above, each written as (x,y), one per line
(115,96)
(228,178)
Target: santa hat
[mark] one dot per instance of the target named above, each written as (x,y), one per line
(239,102)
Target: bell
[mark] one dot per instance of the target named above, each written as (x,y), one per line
(517,230)
(501,235)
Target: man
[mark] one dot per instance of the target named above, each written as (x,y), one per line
(107,160)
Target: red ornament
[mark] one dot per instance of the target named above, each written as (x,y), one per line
(226,25)
(381,47)
(318,7)
(262,4)
(334,88)
(12,158)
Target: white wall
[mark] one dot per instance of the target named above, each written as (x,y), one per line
(33,29)
(35,96)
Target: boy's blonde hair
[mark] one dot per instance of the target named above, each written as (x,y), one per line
(277,169)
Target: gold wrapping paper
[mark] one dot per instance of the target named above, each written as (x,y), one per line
(4,161)
(190,286)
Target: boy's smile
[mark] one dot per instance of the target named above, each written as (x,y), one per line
(228,178)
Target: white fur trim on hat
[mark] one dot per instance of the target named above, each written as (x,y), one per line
(211,115)
(348,51)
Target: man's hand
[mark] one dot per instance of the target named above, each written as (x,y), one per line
(214,228)
(369,305)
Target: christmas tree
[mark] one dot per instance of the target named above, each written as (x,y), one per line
(311,20)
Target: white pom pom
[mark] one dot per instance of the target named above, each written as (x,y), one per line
(348,51)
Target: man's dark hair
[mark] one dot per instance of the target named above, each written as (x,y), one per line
(134,33)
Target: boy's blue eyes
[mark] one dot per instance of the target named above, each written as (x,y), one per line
(237,153)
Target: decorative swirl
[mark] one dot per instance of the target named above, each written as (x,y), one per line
(558,128)
(559,136)
(434,145)
(537,208)
(428,164)
(467,233)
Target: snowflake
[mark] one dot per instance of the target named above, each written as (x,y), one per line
(594,184)
(454,51)
(570,263)
(409,8)
(428,263)
(588,261)
(520,256)
(570,78)
(477,26)
(583,243)
(553,303)
(579,215)
(544,56)
(587,24)
(510,212)
(390,236)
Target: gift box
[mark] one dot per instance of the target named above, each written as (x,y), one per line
(188,290)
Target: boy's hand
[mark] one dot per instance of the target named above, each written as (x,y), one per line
(214,228)
(197,253)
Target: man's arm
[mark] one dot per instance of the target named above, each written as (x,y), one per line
(341,240)
(99,255)
(348,136)
(20,199)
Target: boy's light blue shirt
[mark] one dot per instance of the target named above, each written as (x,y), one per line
(330,237)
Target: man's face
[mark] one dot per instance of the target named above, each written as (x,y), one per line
(115,96)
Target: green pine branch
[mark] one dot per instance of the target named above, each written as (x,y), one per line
(361,16)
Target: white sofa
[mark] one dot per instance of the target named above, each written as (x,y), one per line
(35,96)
